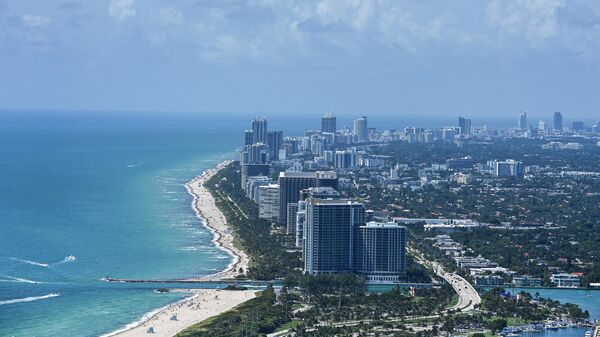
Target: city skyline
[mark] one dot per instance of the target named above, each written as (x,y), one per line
(426,58)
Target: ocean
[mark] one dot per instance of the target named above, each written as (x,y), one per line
(86,195)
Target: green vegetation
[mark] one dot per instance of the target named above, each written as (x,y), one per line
(256,317)
(526,307)
(567,207)
(269,257)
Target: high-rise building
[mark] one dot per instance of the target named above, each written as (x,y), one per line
(380,251)
(465,125)
(254,170)
(329,235)
(257,153)
(292,211)
(274,141)
(558,121)
(248,137)
(507,168)
(523,120)
(259,130)
(268,201)
(328,123)
(345,159)
(300,224)
(300,216)
(578,126)
(542,125)
(361,130)
(291,183)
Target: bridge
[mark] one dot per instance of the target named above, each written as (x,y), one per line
(198,283)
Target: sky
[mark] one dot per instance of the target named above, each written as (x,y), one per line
(350,57)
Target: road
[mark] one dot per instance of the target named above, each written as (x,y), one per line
(468,297)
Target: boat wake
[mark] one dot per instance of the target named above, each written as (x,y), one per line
(17,280)
(29,299)
(33,263)
(67,259)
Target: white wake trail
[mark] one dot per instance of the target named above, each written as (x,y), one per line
(29,299)
(33,263)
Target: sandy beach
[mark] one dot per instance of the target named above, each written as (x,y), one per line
(204,303)
(204,205)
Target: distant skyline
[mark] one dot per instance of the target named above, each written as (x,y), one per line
(389,57)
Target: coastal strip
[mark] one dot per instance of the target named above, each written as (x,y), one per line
(204,303)
(206,209)
(170,320)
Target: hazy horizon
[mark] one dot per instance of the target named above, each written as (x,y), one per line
(431,58)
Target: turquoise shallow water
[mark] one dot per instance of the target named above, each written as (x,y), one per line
(89,195)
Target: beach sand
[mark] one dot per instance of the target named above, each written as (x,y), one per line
(206,302)
(204,205)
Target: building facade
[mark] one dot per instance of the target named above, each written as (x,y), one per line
(380,251)
(361,130)
(291,183)
(268,201)
(259,130)
(557,118)
(329,235)
(328,123)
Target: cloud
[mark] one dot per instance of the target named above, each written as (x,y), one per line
(170,17)
(122,9)
(34,21)
(535,19)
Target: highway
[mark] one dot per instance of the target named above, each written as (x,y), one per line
(468,297)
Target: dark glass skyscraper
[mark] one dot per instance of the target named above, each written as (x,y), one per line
(291,183)
(328,123)
(274,141)
(558,122)
(465,125)
(259,130)
(523,120)
(329,235)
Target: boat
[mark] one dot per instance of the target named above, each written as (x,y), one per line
(512,334)
(588,333)
(551,326)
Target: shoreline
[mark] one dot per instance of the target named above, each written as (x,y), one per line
(211,218)
(204,303)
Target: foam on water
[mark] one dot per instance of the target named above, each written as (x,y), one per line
(29,299)
(17,280)
(67,259)
(33,263)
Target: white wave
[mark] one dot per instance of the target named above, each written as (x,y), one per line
(29,299)
(33,263)
(67,259)
(18,280)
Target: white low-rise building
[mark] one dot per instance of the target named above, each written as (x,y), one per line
(564,280)
(268,206)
